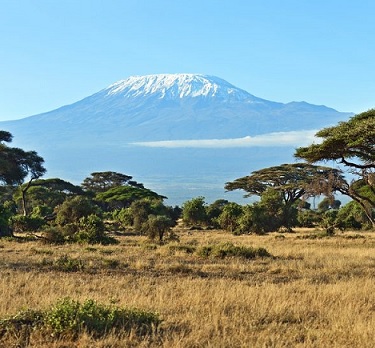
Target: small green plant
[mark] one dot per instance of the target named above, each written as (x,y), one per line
(67,264)
(186,248)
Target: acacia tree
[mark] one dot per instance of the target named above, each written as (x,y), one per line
(102,181)
(122,196)
(351,144)
(16,165)
(47,193)
(292,181)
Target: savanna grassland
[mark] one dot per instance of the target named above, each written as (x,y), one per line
(313,291)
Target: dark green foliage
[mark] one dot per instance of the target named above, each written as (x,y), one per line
(73,209)
(91,230)
(142,215)
(352,217)
(123,216)
(21,223)
(329,221)
(270,214)
(70,317)
(53,235)
(80,221)
(103,181)
(140,211)
(16,164)
(230,217)
(46,192)
(194,212)
(157,226)
(308,218)
(7,210)
(214,210)
(230,250)
(352,143)
(245,221)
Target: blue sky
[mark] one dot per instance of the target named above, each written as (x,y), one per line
(56,52)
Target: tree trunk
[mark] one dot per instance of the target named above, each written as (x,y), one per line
(24,206)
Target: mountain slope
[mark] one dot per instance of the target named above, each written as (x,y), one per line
(99,132)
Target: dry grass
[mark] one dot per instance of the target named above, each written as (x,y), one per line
(312,293)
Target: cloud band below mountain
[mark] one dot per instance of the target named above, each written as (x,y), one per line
(276,139)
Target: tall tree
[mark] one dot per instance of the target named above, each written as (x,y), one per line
(351,144)
(47,192)
(16,165)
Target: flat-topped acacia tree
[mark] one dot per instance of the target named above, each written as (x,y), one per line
(293,181)
(351,144)
(103,181)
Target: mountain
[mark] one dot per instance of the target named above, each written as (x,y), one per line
(136,126)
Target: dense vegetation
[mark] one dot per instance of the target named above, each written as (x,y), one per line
(109,207)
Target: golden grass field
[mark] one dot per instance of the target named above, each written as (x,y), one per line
(311,293)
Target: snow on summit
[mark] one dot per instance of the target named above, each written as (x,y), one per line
(177,86)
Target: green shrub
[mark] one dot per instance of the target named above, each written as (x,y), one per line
(73,209)
(89,229)
(230,250)
(70,317)
(156,226)
(123,216)
(68,264)
(21,223)
(53,235)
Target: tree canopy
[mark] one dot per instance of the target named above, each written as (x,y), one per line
(293,181)
(17,164)
(352,144)
(123,196)
(103,181)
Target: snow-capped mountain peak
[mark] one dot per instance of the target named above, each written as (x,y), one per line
(177,86)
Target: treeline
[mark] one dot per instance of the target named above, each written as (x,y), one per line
(109,201)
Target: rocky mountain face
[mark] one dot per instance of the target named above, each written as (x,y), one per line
(104,131)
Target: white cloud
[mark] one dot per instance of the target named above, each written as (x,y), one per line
(294,138)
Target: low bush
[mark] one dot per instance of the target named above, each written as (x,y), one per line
(68,264)
(70,317)
(230,250)
(53,235)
